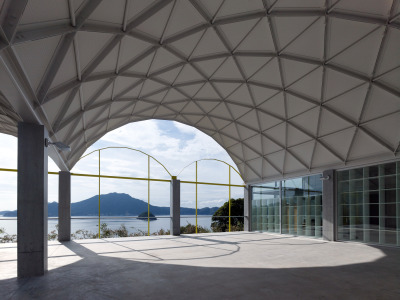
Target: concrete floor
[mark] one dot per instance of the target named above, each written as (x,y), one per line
(207,266)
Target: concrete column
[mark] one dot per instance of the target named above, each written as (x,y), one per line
(64,206)
(247,208)
(329,206)
(175,210)
(32,200)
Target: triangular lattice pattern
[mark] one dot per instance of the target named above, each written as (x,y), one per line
(286,87)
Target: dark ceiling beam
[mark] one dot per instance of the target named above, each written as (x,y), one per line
(147,13)
(47,30)
(84,13)
(11,16)
(62,50)
(58,29)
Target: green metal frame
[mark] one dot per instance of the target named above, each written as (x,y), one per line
(148,179)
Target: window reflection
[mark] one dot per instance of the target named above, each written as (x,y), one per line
(369,204)
(295,205)
(302,206)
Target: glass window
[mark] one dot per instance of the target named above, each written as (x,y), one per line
(300,206)
(265,207)
(369,204)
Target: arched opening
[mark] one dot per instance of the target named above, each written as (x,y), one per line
(290,89)
(209,179)
(172,146)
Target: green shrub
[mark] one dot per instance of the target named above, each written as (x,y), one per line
(7,238)
(189,229)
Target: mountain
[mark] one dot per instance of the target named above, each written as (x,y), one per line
(4,212)
(116,204)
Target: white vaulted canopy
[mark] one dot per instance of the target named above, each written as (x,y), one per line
(285,86)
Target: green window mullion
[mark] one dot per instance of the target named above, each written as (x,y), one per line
(398,202)
(381,204)
(352,201)
(366,202)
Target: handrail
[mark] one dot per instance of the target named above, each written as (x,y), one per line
(8,170)
(148,179)
(136,178)
(123,217)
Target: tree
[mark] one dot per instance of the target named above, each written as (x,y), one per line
(220,219)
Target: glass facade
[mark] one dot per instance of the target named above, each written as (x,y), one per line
(302,206)
(266,208)
(369,204)
(290,206)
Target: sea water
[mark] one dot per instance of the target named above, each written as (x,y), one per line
(133,225)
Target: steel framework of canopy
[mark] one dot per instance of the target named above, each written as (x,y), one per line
(286,87)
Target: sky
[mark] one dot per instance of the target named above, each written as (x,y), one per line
(173,144)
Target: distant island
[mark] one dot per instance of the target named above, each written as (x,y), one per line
(116,204)
(144,216)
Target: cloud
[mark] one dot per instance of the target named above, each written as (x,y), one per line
(176,147)
(8,180)
(146,135)
(185,128)
(8,151)
(8,187)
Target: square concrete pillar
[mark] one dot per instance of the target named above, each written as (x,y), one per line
(175,210)
(329,205)
(32,200)
(64,206)
(247,208)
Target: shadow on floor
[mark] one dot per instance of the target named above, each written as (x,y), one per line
(102,277)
